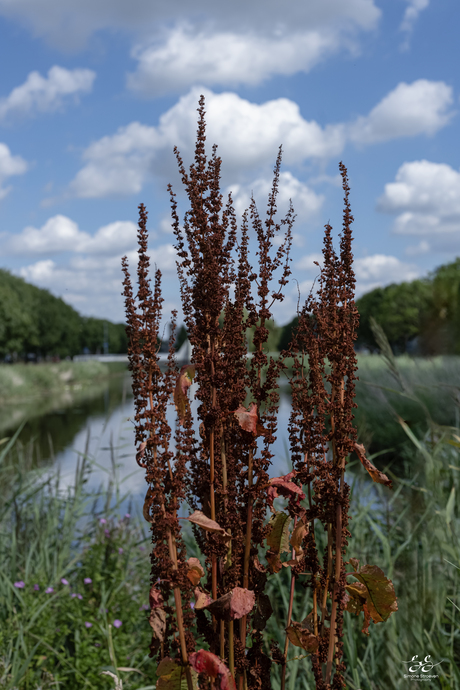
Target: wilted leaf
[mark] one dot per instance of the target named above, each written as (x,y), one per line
(376,475)
(140,454)
(157,619)
(262,613)
(278,538)
(298,534)
(146,508)
(155,597)
(171,676)
(282,486)
(202,599)
(183,383)
(206,662)
(200,519)
(274,561)
(233,605)
(302,637)
(376,596)
(249,420)
(196,571)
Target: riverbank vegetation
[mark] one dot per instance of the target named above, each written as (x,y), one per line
(58,635)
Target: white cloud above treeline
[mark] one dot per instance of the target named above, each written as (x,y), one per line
(249,134)
(425,198)
(41,94)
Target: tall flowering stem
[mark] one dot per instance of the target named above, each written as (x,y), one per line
(217,461)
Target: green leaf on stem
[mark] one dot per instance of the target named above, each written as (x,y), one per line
(171,676)
(374,594)
(183,383)
(278,538)
(206,662)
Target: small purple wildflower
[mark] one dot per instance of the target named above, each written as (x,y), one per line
(120,550)
(103,521)
(79,596)
(87,580)
(144,607)
(20,584)
(117,623)
(96,644)
(36,587)
(107,533)
(127,516)
(141,548)
(49,590)
(73,595)
(64,581)
(192,605)
(88,625)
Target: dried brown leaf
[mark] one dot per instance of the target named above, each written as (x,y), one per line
(302,637)
(200,519)
(376,475)
(233,605)
(196,571)
(183,383)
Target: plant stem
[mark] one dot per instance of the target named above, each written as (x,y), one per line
(291,601)
(247,552)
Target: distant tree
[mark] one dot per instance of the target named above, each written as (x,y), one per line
(400,310)
(181,337)
(442,333)
(286,333)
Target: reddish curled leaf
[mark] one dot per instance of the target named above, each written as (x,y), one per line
(200,519)
(146,508)
(206,662)
(282,486)
(183,383)
(249,420)
(302,637)
(155,597)
(140,454)
(233,605)
(374,594)
(376,475)
(196,571)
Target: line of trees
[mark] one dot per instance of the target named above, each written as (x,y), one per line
(422,316)
(35,324)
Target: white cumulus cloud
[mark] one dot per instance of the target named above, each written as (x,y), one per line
(67,24)
(9,165)
(425,197)
(410,17)
(409,110)
(40,94)
(61,234)
(248,136)
(228,58)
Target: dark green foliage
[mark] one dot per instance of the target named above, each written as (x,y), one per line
(287,333)
(401,310)
(33,321)
(181,337)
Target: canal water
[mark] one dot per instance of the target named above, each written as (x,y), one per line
(100,427)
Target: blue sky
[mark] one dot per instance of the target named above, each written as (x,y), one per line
(94,94)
